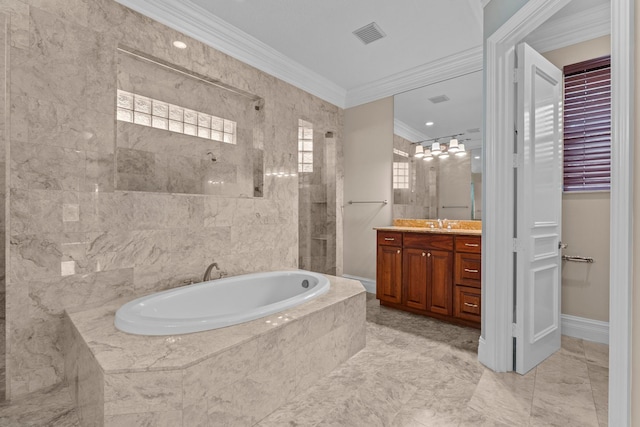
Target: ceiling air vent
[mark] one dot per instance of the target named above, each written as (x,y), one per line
(474,130)
(369,33)
(438,99)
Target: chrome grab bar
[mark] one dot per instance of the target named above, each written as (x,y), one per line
(384,202)
(578,259)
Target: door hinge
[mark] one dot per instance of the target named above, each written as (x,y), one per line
(516,245)
(516,159)
(515,75)
(515,331)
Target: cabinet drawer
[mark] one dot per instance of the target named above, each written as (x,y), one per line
(390,238)
(466,303)
(468,269)
(428,241)
(471,244)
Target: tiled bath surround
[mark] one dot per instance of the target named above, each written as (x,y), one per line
(74,239)
(230,376)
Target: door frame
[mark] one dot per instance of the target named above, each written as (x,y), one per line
(496,343)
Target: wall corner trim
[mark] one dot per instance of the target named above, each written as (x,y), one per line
(586,329)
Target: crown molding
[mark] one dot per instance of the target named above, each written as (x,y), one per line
(407,132)
(446,68)
(204,26)
(579,27)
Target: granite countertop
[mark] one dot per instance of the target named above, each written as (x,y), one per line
(429,230)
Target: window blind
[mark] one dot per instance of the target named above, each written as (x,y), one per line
(587,125)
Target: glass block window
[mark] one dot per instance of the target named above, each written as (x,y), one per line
(305,146)
(400,175)
(141,110)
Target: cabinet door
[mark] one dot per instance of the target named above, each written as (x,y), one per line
(389,274)
(440,282)
(415,278)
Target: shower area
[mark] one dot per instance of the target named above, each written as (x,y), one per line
(318,201)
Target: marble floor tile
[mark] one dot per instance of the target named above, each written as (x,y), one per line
(49,407)
(413,372)
(596,353)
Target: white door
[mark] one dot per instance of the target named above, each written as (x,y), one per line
(538,209)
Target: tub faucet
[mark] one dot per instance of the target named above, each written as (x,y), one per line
(207,273)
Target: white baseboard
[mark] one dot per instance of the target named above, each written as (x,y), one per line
(586,329)
(369,284)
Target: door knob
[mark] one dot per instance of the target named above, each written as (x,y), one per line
(562,245)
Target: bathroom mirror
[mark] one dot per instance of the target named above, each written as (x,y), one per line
(180,132)
(445,184)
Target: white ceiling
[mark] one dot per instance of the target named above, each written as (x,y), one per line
(318,34)
(309,43)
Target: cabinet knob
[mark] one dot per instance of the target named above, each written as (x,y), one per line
(429,254)
(398,250)
(423,254)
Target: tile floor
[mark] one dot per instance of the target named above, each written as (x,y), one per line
(413,372)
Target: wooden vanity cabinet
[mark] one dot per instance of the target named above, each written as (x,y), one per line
(389,267)
(467,278)
(428,262)
(425,273)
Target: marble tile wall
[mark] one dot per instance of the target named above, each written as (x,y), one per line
(73,238)
(317,209)
(150,159)
(420,200)
(4,45)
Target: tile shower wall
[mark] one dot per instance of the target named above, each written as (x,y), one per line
(420,200)
(74,239)
(317,209)
(4,39)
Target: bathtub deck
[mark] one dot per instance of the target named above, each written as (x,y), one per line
(235,375)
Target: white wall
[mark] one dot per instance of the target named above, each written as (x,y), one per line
(368,154)
(585,220)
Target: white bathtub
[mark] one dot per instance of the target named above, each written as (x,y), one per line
(219,303)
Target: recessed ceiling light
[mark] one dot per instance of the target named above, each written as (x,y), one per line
(179,44)
(429,124)
(476,157)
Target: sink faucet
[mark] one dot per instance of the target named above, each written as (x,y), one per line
(439,223)
(207,273)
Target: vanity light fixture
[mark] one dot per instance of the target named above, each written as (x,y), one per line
(461,150)
(435,149)
(427,155)
(453,146)
(179,44)
(419,151)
